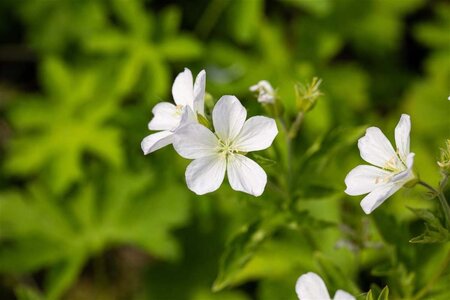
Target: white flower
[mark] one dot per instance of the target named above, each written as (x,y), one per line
(224,150)
(266,93)
(310,286)
(393,168)
(189,99)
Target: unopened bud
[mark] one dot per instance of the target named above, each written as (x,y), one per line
(444,162)
(307,95)
(265,91)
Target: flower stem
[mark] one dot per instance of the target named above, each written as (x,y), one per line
(296,125)
(443,201)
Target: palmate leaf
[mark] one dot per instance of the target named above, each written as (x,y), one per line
(40,231)
(141,51)
(54,131)
(55,26)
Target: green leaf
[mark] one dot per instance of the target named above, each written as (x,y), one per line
(80,110)
(27,293)
(335,275)
(180,48)
(319,8)
(263,161)
(369,295)
(326,148)
(61,237)
(384,295)
(246,243)
(62,276)
(240,250)
(434,232)
(244,18)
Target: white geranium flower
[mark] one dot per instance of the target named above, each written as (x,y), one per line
(393,168)
(266,93)
(189,98)
(310,286)
(224,150)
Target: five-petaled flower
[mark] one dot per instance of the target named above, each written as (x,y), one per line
(393,168)
(266,93)
(310,286)
(189,98)
(214,154)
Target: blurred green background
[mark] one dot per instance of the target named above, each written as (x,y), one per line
(85,215)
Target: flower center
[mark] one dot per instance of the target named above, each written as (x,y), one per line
(394,165)
(226,148)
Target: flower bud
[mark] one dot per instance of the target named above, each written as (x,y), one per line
(266,93)
(307,95)
(444,162)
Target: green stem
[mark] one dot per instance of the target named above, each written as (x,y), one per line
(296,125)
(289,168)
(442,200)
(426,288)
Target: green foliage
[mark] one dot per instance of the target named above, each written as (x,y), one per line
(78,80)
(434,231)
(246,243)
(60,127)
(383,295)
(62,236)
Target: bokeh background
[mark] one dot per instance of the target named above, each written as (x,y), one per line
(85,215)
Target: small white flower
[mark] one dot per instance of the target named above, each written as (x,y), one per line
(310,286)
(189,98)
(393,168)
(266,93)
(224,150)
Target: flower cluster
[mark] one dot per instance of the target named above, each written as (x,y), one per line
(213,153)
(221,148)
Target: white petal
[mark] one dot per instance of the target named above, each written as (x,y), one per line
(378,196)
(310,286)
(182,88)
(258,133)
(194,141)
(205,175)
(245,175)
(156,141)
(343,295)
(410,160)
(188,117)
(228,117)
(375,148)
(165,117)
(364,179)
(402,136)
(199,93)
(408,174)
